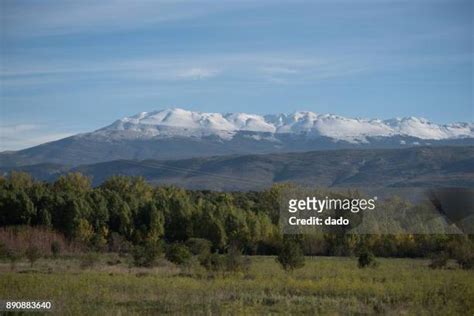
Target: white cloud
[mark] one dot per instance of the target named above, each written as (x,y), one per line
(279,70)
(260,67)
(250,67)
(197,73)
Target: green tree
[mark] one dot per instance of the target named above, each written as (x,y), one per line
(16,206)
(83,231)
(366,259)
(150,222)
(178,253)
(120,214)
(234,260)
(199,246)
(210,225)
(178,211)
(145,254)
(75,182)
(32,253)
(291,255)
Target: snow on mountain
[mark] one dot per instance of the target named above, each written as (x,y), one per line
(424,129)
(183,123)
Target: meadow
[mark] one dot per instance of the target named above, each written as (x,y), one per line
(325,285)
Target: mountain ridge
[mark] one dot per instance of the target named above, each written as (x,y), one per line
(179,122)
(180,134)
(416,167)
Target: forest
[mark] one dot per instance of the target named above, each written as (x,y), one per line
(126,212)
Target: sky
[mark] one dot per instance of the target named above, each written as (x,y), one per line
(75,66)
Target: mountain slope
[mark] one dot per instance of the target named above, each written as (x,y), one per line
(180,134)
(417,167)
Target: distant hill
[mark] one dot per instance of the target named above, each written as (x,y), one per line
(410,167)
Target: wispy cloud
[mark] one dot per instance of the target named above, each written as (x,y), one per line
(274,68)
(46,18)
(198,73)
(20,136)
(249,67)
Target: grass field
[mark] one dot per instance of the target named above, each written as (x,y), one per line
(323,286)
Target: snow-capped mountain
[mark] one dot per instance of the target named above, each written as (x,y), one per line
(179,122)
(178,134)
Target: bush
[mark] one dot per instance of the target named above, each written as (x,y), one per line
(463,253)
(89,260)
(55,248)
(439,260)
(213,262)
(145,255)
(366,259)
(3,251)
(234,261)
(99,242)
(32,254)
(13,256)
(178,254)
(466,261)
(291,256)
(119,244)
(21,237)
(199,246)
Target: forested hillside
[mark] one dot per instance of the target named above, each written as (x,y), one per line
(409,167)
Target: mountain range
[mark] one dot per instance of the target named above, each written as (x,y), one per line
(415,167)
(180,134)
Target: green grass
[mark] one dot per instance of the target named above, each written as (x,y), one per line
(323,286)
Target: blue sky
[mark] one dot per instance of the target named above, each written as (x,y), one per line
(75,66)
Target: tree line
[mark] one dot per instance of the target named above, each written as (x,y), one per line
(127,211)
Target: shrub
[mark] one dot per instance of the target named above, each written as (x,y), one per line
(83,231)
(21,237)
(32,254)
(291,256)
(463,253)
(145,255)
(178,254)
(234,261)
(89,260)
(366,259)
(213,262)
(125,248)
(3,250)
(199,246)
(117,243)
(99,242)
(439,260)
(466,261)
(113,261)
(55,248)
(13,256)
